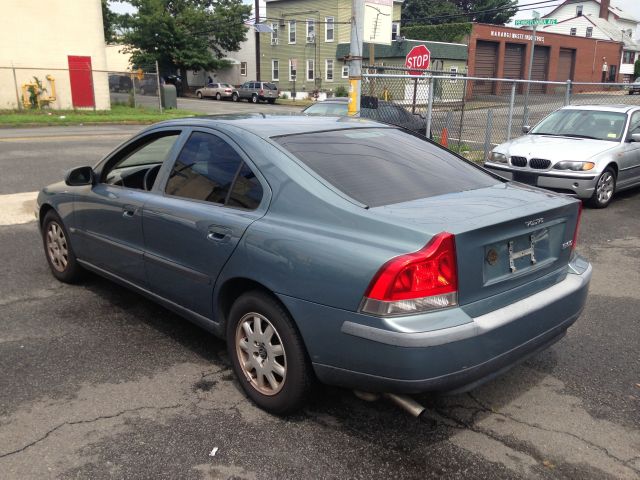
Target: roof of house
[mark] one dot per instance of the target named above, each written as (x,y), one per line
(617,11)
(449,51)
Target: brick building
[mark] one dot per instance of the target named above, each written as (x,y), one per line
(503,52)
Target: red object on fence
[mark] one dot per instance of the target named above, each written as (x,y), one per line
(81,80)
(444,138)
(418,57)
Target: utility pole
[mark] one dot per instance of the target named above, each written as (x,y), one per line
(355,56)
(536,16)
(257,34)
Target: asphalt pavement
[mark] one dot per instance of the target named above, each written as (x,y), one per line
(98,382)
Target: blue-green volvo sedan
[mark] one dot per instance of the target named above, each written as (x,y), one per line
(332,249)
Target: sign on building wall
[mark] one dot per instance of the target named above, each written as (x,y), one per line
(378,16)
(516,36)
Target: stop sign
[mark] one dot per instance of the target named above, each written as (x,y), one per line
(418,57)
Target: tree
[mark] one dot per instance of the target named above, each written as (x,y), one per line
(109,22)
(636,69)
(503,10)
(184,34)
(429,12)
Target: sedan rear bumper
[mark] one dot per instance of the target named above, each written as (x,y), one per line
(453,358)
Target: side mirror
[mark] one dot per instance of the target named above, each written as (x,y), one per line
(635,137)
(79,176)
(526,128)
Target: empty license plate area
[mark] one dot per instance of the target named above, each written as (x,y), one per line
(522,254)
(526,177)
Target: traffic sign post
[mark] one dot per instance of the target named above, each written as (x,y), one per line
(418,57)
(535,20)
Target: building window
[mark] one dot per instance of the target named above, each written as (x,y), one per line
(453,71)
(345,71)
(292,31)
(274,34)
(328,29)
(311,30)
(578,10)
(589,32)
(243,69)
(572,31)
(395,31)
(328,69)
(310,70)
(612,72)
(275,69)
(628,56)
(293,69)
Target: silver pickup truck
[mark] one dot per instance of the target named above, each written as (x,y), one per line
(256,91)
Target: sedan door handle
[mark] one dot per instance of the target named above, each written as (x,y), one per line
(128,211)
(219,234)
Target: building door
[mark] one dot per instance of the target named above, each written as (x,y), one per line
(540,68)
(566,63)
(485,66)
(81,81)
(513,63)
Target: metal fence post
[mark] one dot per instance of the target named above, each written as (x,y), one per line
(464,102)
(487,134)
(429,107)
(511,103)
(158,85)
(15,82)
(135,105)
(567,94)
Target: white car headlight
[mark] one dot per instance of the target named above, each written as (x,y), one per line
(575,166)
(497,157)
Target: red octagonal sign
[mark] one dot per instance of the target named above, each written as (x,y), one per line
(418,57)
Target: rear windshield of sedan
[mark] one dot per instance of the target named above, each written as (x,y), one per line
(383,166)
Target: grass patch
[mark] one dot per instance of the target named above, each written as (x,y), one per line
(119,114)
(289,101)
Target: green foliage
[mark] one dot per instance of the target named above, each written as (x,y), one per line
(34,92)
(341,91)
(450,32)
(636,69)
(284,96)
(184,34)
(428,12)
(109,22)
(435,12)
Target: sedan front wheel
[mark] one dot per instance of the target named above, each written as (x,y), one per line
(58,249)
(605,188)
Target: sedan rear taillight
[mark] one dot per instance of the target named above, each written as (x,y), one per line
(227,90)
(577,230)
(416,282)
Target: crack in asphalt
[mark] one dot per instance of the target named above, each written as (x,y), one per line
(77,422)
(489,409)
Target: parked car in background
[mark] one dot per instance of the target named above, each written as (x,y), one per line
(634,87)
(176,81)
(588,151)
(386,112)
(120,83)
(147,86)
(338,249)
(219,91)
(256,91)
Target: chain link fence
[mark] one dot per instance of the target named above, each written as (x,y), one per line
(27,88)
(472,115)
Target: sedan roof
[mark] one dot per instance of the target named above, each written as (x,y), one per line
(605,108)
(267,126)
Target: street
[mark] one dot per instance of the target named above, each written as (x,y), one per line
(98,382)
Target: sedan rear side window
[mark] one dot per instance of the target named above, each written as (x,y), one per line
(204,170)
(383,166)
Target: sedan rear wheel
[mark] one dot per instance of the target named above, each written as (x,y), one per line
(234,97)
(605,188)
(218,96)
(267,353)
(199,95)
(58,250)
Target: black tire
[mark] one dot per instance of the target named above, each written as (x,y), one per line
(606,182)
(199,94)
(271,100)
(254,98)
(72,272)
(298,379)
(218,96)
(234,97)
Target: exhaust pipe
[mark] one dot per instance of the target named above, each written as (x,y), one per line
(406,403)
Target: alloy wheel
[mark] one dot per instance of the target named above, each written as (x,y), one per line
(57,247)
(605,186)
(261,353)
